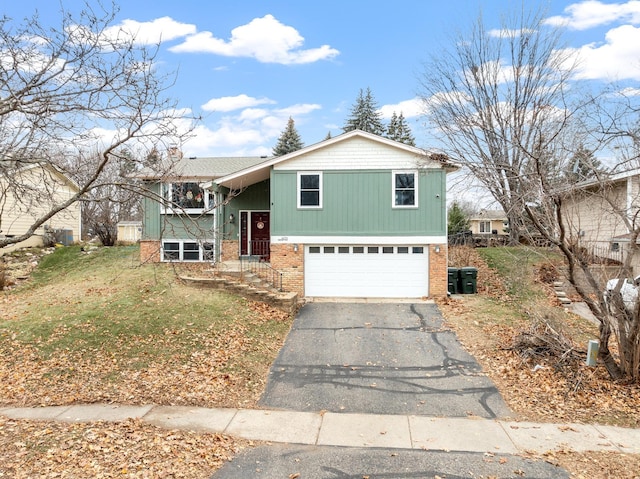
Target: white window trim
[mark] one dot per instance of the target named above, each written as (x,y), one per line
(181,250)
(482,224)
(393,188)
(167,209)
(306,207)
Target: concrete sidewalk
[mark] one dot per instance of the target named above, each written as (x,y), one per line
(356,430)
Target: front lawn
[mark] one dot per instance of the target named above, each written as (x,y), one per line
(99,327)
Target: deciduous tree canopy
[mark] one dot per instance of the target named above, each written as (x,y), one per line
(73,88)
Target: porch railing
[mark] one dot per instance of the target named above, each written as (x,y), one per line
(262,270)
(260,248)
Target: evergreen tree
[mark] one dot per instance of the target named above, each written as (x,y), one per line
(392,129)
(289,140)
(399,130)
(328,137)
(583,166)
(458,222)
(404,132)
(365,115)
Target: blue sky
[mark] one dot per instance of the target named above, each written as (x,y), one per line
(247,66)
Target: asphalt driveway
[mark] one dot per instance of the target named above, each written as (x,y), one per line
(383,358)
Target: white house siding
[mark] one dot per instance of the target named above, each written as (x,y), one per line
(592,218)
(357,154)
(17,217)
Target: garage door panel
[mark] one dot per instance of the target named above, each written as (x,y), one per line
(395,274)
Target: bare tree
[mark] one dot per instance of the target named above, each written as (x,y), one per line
(586,219)
(83,85)
(497,97)
(499,100)
(114,198)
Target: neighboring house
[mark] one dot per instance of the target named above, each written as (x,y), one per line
(44,187)
(488,222)
(356,215)
(594,213)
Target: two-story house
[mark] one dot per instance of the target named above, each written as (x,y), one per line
(357,215)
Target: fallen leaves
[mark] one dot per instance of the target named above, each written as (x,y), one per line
(568,391)
(99,450)
(223,367)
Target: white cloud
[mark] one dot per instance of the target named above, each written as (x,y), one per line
(148,33)
(251,131)
(629,92)
(298,110)
(252,114)
(265,39)
(592,13)
(617,59)
(408,108)
(238,102)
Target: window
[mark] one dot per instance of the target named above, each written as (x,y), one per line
(418,250)
(372,249)
(184,250)
(343,249)
(405,189)
(329,249)
(403,249)
(314,249)
(387,249)
(309,190)
(358,249)
(485,227)
(187,197)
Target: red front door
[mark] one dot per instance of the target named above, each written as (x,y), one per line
(255,234)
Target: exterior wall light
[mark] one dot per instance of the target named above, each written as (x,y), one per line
(232,219)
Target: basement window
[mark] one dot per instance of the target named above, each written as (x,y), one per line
(187,250)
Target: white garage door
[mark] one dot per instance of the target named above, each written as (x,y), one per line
(366,271)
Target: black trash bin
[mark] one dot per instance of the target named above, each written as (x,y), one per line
(468,280)
(453,280)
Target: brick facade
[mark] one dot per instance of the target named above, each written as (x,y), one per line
(229,250)
(438,271)
(149,251)
(290,263)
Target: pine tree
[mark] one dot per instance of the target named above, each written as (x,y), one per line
(289,140)
(404,132)
(365,115)
(398,130)
(458,222)
(583,166)
(328,137)
(392,129)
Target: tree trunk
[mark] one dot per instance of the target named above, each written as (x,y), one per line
(609,361)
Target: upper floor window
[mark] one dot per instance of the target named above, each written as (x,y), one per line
(309,190)
(188,197)
(405,189)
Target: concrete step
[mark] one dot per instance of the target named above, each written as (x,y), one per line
(287,301)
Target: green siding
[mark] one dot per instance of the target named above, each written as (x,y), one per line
(158,226)
(254,198)
(151,217)
(358,203)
